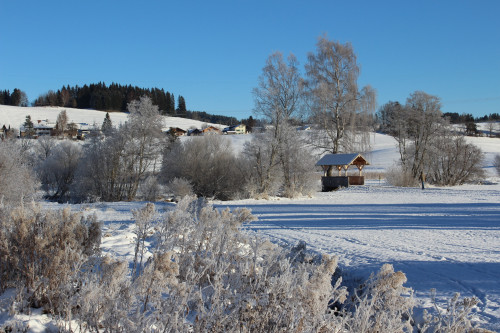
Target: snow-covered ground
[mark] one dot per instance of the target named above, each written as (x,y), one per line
(442,238)
(15,116)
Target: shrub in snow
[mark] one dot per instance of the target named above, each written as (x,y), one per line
(382,304)
(456,317)
(209,164)
(150,189)
(180,188)
(17,182)
(199,272)
(398,176)
(280,167)
(42,253)
(144,219)
(57,171)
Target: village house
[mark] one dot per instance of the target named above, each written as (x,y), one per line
(211,130)
(194,132)
(177,131)
(236,129)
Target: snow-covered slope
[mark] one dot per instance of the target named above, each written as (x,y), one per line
(15,116)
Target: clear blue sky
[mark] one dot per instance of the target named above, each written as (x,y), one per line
(212,52)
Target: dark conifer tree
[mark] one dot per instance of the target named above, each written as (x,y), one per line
(181,105)
(15,98)
(172,103)
(107,125)
(29,128)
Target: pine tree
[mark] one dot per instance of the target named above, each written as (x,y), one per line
(107,125)
(29,128)
(181,105)
(172,103)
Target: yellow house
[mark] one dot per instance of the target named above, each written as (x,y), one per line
(237,129)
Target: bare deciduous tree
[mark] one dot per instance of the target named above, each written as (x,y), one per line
(424,118)
(426,143)
(278,98)
(453,161)
(61,122)
(340,109)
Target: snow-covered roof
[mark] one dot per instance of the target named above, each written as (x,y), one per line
(342,159)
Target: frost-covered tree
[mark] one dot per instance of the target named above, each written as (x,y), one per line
(338,107)
(44,146)
(113,167)
(18,182)
(146,140)
(62,122)
(292,173)
(278,98)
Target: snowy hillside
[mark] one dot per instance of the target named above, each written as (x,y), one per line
(15,116)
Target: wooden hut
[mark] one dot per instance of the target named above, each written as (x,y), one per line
(339,162)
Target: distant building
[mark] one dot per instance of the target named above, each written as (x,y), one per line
(177,131)
(236,129)
(211,130)
(194,132)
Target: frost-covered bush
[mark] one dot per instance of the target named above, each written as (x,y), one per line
(204,273)
(382,304)
(150,189)
(456,317)
(209,164)
(196,270)
(180,188)
(42,253)
(57,171)
(18,182)
(398,176)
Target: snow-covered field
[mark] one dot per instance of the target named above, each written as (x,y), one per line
(442,238)
(15,116)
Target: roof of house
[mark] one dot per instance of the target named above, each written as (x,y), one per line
(342,159)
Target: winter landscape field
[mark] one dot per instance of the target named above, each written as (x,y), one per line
(442,238)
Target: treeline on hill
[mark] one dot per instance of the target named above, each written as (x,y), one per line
(16,98)
(464,118)
(114,97)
